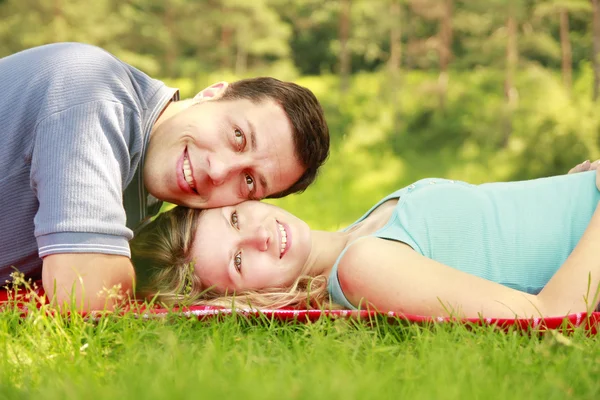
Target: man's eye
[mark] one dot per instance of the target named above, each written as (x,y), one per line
(250,183)
(237,262)
(234,220)
(240,139)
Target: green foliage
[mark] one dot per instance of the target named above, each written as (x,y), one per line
(181,38)
(391,127)
(378,148)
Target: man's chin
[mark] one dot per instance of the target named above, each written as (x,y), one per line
(196,201)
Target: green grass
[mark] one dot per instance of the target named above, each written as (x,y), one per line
(177,358)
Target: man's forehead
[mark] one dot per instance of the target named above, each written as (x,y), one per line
(271,140)
(275,146)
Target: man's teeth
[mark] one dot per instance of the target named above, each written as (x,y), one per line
(187,173)
(283,238)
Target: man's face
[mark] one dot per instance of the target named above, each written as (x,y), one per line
(219,153)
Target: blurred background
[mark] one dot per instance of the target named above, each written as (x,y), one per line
(462,89)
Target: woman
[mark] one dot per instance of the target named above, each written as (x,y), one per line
(434,248)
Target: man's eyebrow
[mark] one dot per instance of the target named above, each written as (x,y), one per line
(253,145)
(263,183)
(252,133)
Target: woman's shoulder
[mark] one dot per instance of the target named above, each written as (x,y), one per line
(365,255)
(367,248)
(364,267)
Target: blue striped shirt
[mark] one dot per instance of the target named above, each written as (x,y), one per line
(74,124)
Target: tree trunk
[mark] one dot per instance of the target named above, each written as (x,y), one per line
(565,45)
(395,37)
(225,45)
(170,50)
(395,60)
(510,92)
(344,51)
(58,21)
(596,48)
(445,50)
(241,57)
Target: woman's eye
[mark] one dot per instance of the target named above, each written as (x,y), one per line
(234,220)
(237,262)
(250,183)
(240,139)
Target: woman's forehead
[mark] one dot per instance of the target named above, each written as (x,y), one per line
(211,262)
(210,239)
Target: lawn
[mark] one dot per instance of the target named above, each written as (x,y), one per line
(177,358)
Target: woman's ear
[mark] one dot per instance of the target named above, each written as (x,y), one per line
(213,92)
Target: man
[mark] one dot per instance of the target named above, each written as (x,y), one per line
(88,144)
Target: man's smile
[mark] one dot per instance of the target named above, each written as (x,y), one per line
(188,174)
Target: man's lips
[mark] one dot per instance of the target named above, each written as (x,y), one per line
(188,172)
(181,181)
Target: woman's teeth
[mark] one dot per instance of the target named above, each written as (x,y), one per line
(187,173)
(283,239)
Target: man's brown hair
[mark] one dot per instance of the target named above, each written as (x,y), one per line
(309,128)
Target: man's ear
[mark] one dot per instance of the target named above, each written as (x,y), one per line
(213,92)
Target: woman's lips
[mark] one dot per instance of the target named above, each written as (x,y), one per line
(288,233)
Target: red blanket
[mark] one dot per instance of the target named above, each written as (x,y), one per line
(591,322)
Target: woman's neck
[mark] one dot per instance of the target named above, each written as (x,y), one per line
(327,246)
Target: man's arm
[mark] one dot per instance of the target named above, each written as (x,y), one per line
(86,279)
(79,162)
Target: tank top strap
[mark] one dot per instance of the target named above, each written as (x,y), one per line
(333,283)
(390,232)
(394,195)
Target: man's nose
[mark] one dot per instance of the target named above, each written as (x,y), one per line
(257,237)
(220,169)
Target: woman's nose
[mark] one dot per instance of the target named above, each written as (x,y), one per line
(258,237)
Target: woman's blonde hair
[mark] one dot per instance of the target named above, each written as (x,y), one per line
(161,255)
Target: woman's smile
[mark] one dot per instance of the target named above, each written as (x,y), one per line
(285,238)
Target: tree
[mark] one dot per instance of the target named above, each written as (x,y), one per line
(562,8)
(29,23)
(445,48)
(512,59)
(344,34)
(441,13)
(315,34)
(596,48)
(395,60)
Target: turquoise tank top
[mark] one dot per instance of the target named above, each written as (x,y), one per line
(514,233)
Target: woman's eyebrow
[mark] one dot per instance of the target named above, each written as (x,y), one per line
(230,252)
(226,218)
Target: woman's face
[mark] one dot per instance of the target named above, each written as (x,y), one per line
(249,246)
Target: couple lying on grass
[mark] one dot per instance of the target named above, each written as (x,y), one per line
(434,248)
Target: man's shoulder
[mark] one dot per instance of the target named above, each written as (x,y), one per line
(68,73)
(75,53)
(66,58)
(90,63)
